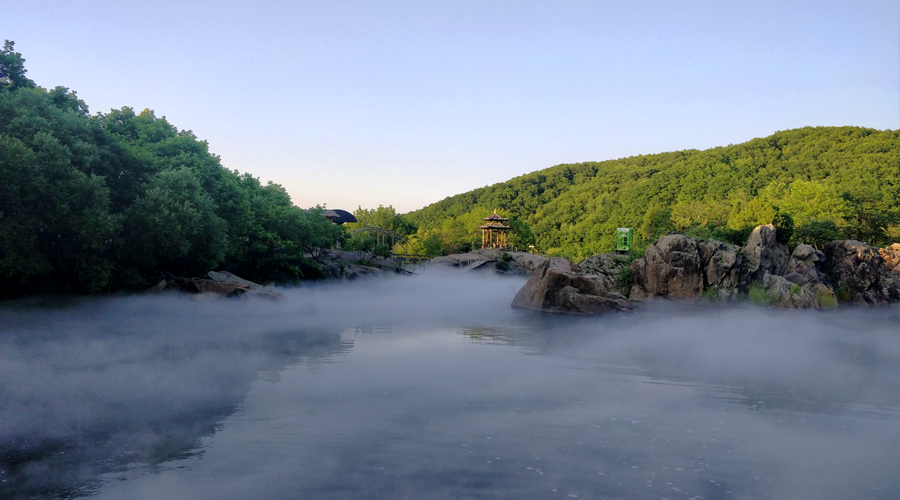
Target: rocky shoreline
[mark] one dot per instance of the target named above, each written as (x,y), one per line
(675,267)
(679,267)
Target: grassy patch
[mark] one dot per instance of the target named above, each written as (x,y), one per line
(826,300)
(758,295)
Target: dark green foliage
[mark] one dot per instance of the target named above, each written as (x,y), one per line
(119,200)
(369,246)
(732,236)
(384,218)
(817,233)
(784,227)
(846,175)
(432,246)
(12,68)
(503,263)
(625,281)
(843,295)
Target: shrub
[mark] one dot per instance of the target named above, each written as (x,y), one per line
(625,281)
(842,294)
(758,295)
(784,227)
(825,300)
(503,262)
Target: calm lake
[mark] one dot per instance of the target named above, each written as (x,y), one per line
(431,386)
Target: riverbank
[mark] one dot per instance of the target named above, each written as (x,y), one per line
(682,268)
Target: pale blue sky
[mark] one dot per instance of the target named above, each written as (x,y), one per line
(405,103)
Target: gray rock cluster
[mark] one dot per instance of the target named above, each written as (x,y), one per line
(681,267)
(689,269)
(559,286)
(860,274)
(218,284)
(491,259)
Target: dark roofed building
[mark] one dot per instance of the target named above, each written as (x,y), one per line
(338,216)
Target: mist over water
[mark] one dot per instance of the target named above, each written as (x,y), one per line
(431,386)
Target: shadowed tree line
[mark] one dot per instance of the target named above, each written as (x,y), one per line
(119,200)
(817,184)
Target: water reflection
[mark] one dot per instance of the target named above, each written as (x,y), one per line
(88,392)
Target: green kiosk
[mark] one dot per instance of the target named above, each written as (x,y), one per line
(624,236)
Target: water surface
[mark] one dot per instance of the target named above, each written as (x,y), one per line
(432,387)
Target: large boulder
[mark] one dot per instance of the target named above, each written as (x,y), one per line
(608,267)
(859,273)
(557,287)
(891,256)
(671,267)
(765,254)
(782,293)
(722,266)
(526,263)
(681,267)
(347,271)
(806,266)
(218,283)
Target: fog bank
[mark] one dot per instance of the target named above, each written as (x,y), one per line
(96,388)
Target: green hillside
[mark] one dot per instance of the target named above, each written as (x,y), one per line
(831,182)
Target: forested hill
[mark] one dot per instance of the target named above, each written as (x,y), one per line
(831,182)
(119,200)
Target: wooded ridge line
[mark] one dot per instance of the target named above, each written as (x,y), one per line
(818,184)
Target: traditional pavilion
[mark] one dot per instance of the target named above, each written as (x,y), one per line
(493,234)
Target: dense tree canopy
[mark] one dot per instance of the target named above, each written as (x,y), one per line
(119,200)
(833,182)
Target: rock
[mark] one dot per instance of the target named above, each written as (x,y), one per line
(488,259)
(244,287)
(765,254)
(671,267)
(682,267)
(806,266)
(220,284)
(891,256)
(722,264)
(556,287)
(526,263)
(351,265)
(860,274)
(227,278)
(218,288)
(608,267)
(158,288)
(356,271)
(782,293)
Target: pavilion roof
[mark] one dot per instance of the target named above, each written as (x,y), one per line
(494,217)
(494,225)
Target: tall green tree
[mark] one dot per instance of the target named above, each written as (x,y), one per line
(12,68)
